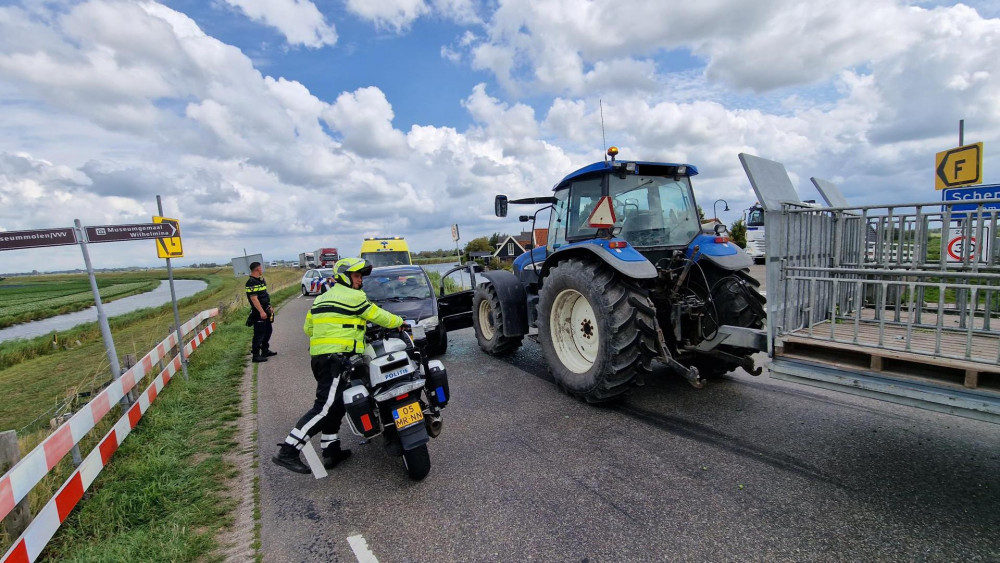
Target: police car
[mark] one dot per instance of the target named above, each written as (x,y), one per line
(317,281)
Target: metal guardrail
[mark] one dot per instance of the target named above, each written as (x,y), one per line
(898,300)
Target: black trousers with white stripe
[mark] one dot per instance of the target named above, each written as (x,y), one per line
(328,410)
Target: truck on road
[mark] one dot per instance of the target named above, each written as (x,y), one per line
(306,260)
(325,257)
(755,233)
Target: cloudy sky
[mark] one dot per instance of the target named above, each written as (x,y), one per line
(279,126)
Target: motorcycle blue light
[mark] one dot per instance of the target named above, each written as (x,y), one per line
(440,394)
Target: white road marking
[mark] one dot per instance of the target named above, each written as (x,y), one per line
(312,459)
(361,551)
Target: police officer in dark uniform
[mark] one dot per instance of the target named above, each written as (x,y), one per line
(261,313)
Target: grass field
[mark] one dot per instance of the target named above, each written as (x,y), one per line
(163,497)
(38,385)
(30,298)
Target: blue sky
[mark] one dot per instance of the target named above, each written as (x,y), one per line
(284,125)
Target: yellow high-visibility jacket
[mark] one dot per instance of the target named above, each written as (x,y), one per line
(336,321)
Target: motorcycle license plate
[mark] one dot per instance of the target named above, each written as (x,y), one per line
(407,415)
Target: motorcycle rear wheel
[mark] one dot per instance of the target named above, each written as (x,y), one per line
(417,462)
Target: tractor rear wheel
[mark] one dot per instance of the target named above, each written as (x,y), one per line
(487,319)
(597,332)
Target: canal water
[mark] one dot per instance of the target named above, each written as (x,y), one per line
(155,298)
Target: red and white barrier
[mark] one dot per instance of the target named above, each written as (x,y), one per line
(21,478)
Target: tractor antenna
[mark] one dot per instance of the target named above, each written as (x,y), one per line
(603,138)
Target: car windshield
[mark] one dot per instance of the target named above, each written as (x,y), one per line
(654,210)
(325,272)
(387,258)
(396,287)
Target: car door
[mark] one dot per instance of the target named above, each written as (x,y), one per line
(455,296)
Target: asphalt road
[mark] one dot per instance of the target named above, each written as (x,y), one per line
(745,469)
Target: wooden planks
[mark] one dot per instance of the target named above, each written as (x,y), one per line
(953,355)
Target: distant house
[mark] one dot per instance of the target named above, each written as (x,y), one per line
(541,237)
(508,249)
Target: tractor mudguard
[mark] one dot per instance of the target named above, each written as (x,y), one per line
(627,261)
(513,301)
(725,255)
(738,261)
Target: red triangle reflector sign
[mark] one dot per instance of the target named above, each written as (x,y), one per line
(603,216)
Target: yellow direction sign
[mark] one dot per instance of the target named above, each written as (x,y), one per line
(962,166)
(169,247)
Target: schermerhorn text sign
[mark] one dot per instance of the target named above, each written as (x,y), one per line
(13,240)
(116,233)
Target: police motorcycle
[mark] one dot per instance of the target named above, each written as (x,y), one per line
(396,392)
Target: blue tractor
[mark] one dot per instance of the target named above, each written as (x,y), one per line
(628,276)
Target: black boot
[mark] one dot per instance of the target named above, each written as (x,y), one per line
(269,353)
(258,359)
(288,457)
(333,455)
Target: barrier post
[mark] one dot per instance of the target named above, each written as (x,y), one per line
(17,521)
(75,451)
(128,362)
(173,299)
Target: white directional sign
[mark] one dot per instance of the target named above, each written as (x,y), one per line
(139,231)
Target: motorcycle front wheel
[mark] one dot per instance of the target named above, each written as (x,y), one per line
(417,462)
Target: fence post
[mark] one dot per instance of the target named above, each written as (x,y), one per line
(17,521)
(77,458)
(133,394)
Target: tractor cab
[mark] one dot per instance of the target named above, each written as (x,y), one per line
(649,205)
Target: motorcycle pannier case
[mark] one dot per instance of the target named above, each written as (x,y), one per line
(361,412)
(437,384)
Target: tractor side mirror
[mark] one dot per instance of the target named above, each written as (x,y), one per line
(524,218)
(500,205)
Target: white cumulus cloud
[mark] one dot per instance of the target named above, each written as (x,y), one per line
(300,21)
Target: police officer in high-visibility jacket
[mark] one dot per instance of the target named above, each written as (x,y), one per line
(336,329)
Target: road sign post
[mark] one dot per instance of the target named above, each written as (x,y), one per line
(102,319)
(454,237)
(162,230)
(169,249)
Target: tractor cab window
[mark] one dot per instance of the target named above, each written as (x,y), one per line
(654,210)
(755,217)
(557,219)
(583,198)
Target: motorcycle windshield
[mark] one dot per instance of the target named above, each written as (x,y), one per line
(654,210)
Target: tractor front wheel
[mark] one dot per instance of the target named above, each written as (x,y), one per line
(487,319)
(597,331)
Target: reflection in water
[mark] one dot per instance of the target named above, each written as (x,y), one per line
(159,296)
